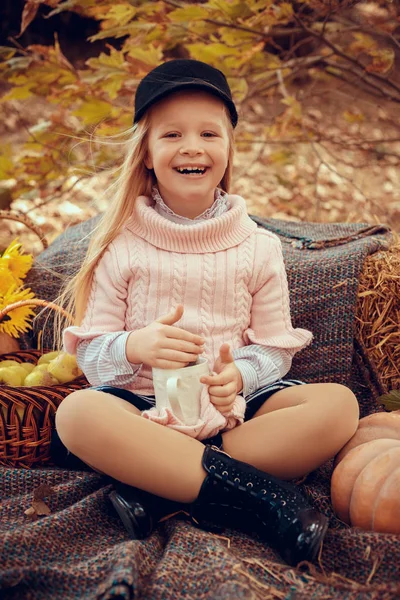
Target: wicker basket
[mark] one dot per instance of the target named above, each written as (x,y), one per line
(27,416)
(27,413)
(19,217)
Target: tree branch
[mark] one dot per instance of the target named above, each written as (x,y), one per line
(364,29)
(351,144)
(274,32)
(369,91)
(361,77)
(364,165)
(57,196)
(346,57)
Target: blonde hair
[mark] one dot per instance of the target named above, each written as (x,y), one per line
(134,180)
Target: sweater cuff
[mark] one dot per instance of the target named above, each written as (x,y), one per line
(249,376)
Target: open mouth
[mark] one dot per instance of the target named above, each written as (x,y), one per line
(191,170)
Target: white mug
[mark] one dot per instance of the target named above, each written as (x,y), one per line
(180,390)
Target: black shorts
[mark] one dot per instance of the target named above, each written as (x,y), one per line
(62,457)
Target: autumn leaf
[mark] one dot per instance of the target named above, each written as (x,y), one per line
(18,92)
(383,60)
(353,117)
(238,9)
(363,43)
(233,37)
(107,63)
(151,55)
(212,53)
(285,10)
(6,53)
(119,14)
(39,507)
(233,10)
(281,157)
(248,52)
(123,123)
(189,13)
(92,111)
(391,400)
(239,88)
(112,85)
(6,164)
(42,491)
(295,106)
(120,31)
(63,6)
(61,58)
(28,14)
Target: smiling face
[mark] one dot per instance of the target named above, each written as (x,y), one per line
(188,149)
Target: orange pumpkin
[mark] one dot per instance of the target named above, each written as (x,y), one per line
(373,427)
(365,485)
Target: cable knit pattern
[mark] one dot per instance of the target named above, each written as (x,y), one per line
(179,279)
(277,325)
(140,283)
(206,305)
(228,274)
(90,304)
(244,263)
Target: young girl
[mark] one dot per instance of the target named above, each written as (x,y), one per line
(177,269)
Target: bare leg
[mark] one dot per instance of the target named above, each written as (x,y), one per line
(109,434)
(296,430)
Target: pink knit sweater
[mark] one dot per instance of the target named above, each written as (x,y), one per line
(228,274)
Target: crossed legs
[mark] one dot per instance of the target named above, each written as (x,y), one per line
(296,430)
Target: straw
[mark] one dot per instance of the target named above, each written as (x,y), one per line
(378,314)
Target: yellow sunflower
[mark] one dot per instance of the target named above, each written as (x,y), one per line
(18,263)
(17,320)
(6,279)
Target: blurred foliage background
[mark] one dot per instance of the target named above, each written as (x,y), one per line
(317,83)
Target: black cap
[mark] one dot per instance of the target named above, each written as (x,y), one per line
(181,74)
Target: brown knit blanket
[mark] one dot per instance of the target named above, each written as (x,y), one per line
(81,550)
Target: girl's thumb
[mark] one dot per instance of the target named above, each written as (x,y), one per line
(171,317)
(226,354)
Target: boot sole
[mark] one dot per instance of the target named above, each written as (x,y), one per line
(315,544)
(139,526)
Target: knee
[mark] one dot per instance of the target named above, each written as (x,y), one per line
(70,416)
(346,408)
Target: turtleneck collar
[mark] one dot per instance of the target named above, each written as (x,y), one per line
(211,235)
(219,206)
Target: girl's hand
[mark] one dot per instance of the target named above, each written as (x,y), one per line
(162,345)
(224,386)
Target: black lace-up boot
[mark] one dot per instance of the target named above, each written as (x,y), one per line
(140,511)
(235,494)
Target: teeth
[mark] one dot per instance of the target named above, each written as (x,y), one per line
(197,170)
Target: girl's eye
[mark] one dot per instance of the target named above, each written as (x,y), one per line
(171,135)
(209,134)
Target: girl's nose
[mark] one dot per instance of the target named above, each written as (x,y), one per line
(191,150)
